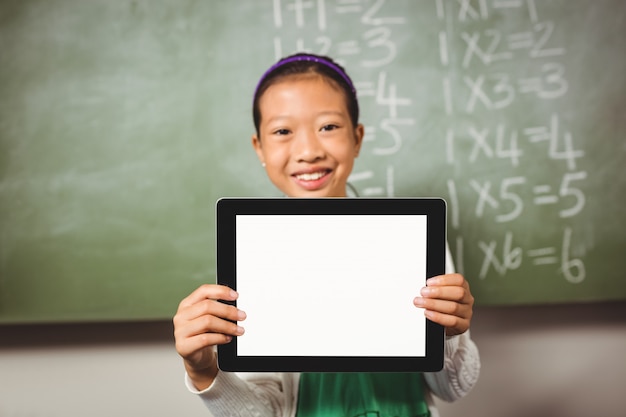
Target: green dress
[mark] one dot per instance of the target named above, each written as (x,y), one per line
(362,395)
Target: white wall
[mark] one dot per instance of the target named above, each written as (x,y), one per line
(558,361)
(92,371)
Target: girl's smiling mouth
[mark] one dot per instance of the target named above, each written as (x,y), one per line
(312,179)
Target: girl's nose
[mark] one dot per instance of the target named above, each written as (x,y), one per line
(307,147)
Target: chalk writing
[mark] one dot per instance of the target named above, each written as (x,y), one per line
(477,88)
(511,257)
(475,83)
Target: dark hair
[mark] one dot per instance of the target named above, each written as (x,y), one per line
(299,64)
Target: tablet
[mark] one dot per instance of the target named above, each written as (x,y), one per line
(328,283)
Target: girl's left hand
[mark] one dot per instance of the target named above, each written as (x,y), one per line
(447,300)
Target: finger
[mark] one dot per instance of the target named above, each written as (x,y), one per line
(207,312)
(456,280)
(444,307)
(204,332)
(451,293)
(209,291)
(212,324)
(213,308)
(453,324)
(188,346)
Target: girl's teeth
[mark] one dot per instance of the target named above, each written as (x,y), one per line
(310,177)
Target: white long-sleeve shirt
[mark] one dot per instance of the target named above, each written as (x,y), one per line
(276,394)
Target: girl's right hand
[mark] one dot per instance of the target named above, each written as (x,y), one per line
(202,322)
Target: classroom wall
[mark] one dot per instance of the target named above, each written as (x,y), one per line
(556,361)
(548,361)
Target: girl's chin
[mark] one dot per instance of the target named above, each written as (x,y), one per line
(320,193)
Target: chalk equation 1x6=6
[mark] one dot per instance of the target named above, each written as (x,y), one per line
(572,269)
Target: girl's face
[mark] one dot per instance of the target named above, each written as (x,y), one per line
(307,141)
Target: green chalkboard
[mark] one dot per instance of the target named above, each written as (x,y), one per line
(122,123)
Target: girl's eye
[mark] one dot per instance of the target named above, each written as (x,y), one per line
(328,128)
(281,132)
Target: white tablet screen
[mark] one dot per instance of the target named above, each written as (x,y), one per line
(331,285)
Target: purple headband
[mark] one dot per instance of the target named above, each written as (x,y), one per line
(313,58)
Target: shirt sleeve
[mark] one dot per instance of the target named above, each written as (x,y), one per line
(461,366)
(460,370)
(254,395)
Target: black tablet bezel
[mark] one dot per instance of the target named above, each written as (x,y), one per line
(227,210)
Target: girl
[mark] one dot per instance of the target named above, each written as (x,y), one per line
(307,136)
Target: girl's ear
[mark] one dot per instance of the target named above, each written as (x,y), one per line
(256,144)
(359,132)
